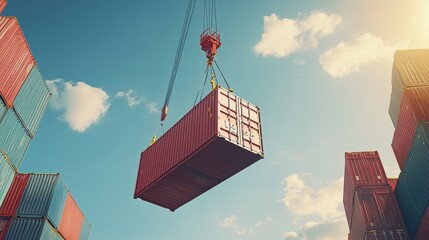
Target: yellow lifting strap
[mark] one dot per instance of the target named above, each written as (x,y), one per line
(153,140)
(212,81)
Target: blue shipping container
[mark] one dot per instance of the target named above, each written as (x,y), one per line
(6,177)
(14,139)
(84,230)
(2,108)
(412,190)
(44,196)
(32,229)
(31,101)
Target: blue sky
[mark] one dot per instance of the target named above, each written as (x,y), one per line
(319,70)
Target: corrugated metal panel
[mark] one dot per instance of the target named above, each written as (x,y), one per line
(387,234)
(414,109)
(416,178)
(14,195)
(4,227)
(3,109)
(361,169)
(423,230)
(31,229)
(84,230)
(3,4)
(32,99)
(71,220)
(6,177)
(392,183)
(218,138)
(14,139)
(374,208)
(16,59)
(44,196)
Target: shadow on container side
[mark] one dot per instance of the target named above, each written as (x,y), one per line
(215,140)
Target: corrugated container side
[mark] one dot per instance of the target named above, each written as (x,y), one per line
(423,229)
(415,176)
(16,59)
(3,4)
(84,230)
(3,109)
(410,69)
(414,109)
(14,139)
(32,99)
(44,196)
(374,208)
(408,207)
(392,183)
(31,229)
(361,169)
(14,195)
(6,177)
(71,220)
(387,234)
(4,227)
(218,138)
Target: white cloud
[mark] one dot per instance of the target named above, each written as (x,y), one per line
(282,37)
(346,58)
(82,105)
(133,100)
(321,206)
(231,222)
(131,97)
(263,222)
(303,200)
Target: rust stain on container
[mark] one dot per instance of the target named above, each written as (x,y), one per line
(16,60)
(216,139)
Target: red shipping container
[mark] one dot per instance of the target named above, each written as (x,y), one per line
(71,220)
(361,169)
(4,227)
(375,208)
(216,139)
(392,182)
(14,195)
(3,4)
(16,59)
(414,109)
(349,237)
(387,234)
(423,230)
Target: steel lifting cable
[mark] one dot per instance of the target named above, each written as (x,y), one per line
(229,88)
(181,44)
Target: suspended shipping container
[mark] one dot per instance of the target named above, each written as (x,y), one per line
(44,196)
(32,229)
(423,229)
(14,139)
(216,139)
(412,189)
(374,208)
(414,109)
(3,4)
(14,195)
(16,59)
(362,169)
(410,69)
(31,101)
(6,177)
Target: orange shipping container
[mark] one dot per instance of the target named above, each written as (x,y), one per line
(71,220)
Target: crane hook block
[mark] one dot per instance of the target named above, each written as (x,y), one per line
(164,112)
(210,42)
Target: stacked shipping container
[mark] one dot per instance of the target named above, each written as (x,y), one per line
(409,111)
(3,4)
(32,206)
(369,202)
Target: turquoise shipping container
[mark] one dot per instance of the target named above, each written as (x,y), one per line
(31,101)
(84,230)
(14,139)
(6,177)
(44,197)
(412,190)
(410,69)
(32,229)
